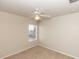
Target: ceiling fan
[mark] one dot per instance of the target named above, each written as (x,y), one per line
(38,15)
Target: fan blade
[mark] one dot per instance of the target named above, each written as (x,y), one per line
(37,11)
(45,16)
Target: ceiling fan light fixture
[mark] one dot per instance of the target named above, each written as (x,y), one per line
(37,17)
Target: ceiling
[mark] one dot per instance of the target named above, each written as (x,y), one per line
(50,7)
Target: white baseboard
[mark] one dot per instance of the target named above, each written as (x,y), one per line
(17,52)
(60,52)
(42,46)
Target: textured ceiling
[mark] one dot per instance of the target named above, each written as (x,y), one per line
(51,7)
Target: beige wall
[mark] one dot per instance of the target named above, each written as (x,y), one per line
(13,33)
(61,33)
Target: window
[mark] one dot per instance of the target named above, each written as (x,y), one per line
(32,32)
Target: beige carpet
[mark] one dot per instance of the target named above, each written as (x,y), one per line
(39,53)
